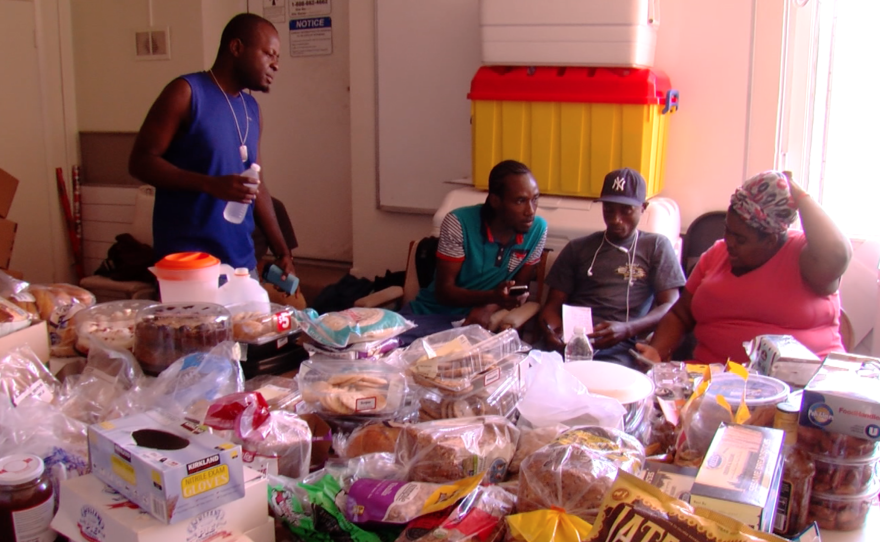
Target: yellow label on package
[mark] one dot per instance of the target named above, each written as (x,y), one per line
(172,468)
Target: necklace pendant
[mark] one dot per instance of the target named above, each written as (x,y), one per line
(243,151)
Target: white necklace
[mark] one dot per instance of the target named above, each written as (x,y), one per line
(247,125)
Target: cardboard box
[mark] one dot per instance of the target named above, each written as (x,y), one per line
(741,473)
(673,480)
(174,469)
(91,511)
(783,357)
(8,186)
(263,533)
(7,240)
(844,397)
(36,336)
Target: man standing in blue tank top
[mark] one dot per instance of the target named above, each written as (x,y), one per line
(201,133)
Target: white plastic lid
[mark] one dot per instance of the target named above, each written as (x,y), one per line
(20,468)
(760,390)
(255,167)
(242,271)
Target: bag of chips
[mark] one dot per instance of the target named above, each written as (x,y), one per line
(636,511)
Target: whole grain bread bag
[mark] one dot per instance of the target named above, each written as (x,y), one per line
(636,511)
(447,450)
(576,470)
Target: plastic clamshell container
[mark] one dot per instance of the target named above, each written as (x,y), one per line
(257,322)
(841,512)
(571,125)
(499,398)
(763,393)
(835,445)
(165,332)
(112,322)
(836,476)
(455,358)
(336,387)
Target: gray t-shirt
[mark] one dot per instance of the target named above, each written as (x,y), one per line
(655,268)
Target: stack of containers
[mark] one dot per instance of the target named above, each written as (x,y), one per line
(839,427)
(568,88)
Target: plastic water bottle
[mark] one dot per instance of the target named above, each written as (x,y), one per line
(242,288)
(579,347)
(236,211)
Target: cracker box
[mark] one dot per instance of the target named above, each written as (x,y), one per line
(91,511)
(673,480)
(783,357)
(844,397)
(172,468)
(741,473)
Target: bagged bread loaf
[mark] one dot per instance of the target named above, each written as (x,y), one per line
(448,450)
(370,439)
(56,304)
(576,470)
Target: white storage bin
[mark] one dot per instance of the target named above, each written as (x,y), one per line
(569,32)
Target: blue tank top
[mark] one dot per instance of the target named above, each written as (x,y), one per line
(186,221)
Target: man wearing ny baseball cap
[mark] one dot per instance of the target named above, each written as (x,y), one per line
(628,278)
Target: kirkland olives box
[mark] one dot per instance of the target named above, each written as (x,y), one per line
(844,397)
(172,468)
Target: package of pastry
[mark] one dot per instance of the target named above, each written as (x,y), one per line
(371,438)
(452,360)
(355,325)
(576,470)
(496,393)
(446,450)
(259,323)
(57,304)
(112,323)
(335,387)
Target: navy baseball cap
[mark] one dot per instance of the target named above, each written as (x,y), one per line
(626,186)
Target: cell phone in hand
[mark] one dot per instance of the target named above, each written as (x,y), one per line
(518,290)
(272,275)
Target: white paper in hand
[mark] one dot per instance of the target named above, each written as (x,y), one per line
(573,317)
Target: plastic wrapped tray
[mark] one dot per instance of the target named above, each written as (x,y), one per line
(112,323)
(252,323)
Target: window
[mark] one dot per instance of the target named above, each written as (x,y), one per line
(840,116)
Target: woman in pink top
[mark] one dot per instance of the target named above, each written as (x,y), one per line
(762,278)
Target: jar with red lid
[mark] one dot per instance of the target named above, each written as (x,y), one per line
(26,500)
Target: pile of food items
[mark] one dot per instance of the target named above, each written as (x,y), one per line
(371,441)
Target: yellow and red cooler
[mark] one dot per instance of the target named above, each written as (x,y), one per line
(571,125)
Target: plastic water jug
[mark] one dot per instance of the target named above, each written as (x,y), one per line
(242,288)
(236,211)
(190,277)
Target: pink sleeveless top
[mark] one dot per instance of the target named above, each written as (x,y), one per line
(770,300)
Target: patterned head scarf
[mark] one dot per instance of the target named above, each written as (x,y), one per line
(765,202)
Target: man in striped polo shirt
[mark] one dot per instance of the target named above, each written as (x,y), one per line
(484,250)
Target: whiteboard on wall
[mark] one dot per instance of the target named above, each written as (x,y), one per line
(426,55)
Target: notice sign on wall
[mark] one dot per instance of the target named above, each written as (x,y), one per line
(311,37)
(309,8)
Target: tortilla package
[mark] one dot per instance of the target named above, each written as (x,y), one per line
(636,511)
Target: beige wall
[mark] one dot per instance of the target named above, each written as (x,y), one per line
(724,128)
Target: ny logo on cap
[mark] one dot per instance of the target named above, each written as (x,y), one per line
(618,184)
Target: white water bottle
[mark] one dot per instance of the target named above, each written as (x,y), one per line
(236,211)
(578,347)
